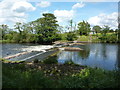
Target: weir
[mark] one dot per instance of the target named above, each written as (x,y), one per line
(31,53)
(30,56)
(40,56)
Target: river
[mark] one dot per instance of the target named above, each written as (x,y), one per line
(106,56)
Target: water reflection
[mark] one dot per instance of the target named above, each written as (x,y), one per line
(94,55)
(118,58)
(84,54)
(104,51)
(106,56)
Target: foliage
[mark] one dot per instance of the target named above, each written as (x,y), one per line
(83,28)
(3,30)
(105,30)
(91,78)
(70,62)
(71,36)
(42,30)
(109,38)
(18,77)
(96,29)
(15,74)
(46,28)
(119,35)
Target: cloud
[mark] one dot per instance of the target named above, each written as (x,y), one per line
(44,4)
(105,19)
(78,5)
(64,15)
(22,6)
(74,0)
(14,11)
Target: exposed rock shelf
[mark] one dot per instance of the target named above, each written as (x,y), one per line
(70,49)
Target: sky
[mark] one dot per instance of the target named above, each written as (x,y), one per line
(100,13)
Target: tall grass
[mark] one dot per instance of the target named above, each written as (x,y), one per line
(17,76)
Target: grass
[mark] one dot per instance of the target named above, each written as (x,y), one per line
(7,41)
(7,61)
(88,39)
(37,75)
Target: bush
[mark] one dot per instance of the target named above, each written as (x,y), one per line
(112,38)
(71,36)
(16,76)
(69,63)
(91,78)
(19,78)
(109,38)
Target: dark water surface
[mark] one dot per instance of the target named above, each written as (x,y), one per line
(106,56)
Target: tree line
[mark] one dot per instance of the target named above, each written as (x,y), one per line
(46,30)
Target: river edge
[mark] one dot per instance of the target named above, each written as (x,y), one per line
(52,75)
(37,75)
(64,58)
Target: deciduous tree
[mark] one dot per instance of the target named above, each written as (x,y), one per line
(83,28)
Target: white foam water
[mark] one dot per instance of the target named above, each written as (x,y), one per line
(37,48)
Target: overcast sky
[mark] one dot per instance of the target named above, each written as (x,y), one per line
(96,13)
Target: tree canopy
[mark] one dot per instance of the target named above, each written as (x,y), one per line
(83,28)
(46,28)
(96,29)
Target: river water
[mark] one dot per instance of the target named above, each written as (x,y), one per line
(106,56)
(13,49)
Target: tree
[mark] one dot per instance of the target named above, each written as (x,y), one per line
(96,29)
(119,26)
(46,28)
(71,25)
(105,30)
(83,28)
(11,36)
(18,26)
(3,29)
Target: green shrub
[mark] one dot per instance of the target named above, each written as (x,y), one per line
(71,36)
(70,62)
(109,38)
(17,76)
(91,78)
(112,38)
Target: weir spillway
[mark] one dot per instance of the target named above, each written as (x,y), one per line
(32,52)
(40,52)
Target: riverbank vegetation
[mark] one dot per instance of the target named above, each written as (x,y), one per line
(46,30)
(39,75)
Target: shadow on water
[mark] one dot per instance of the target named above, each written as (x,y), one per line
(104,50)
(99,55)
(118,58)
(84,54)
